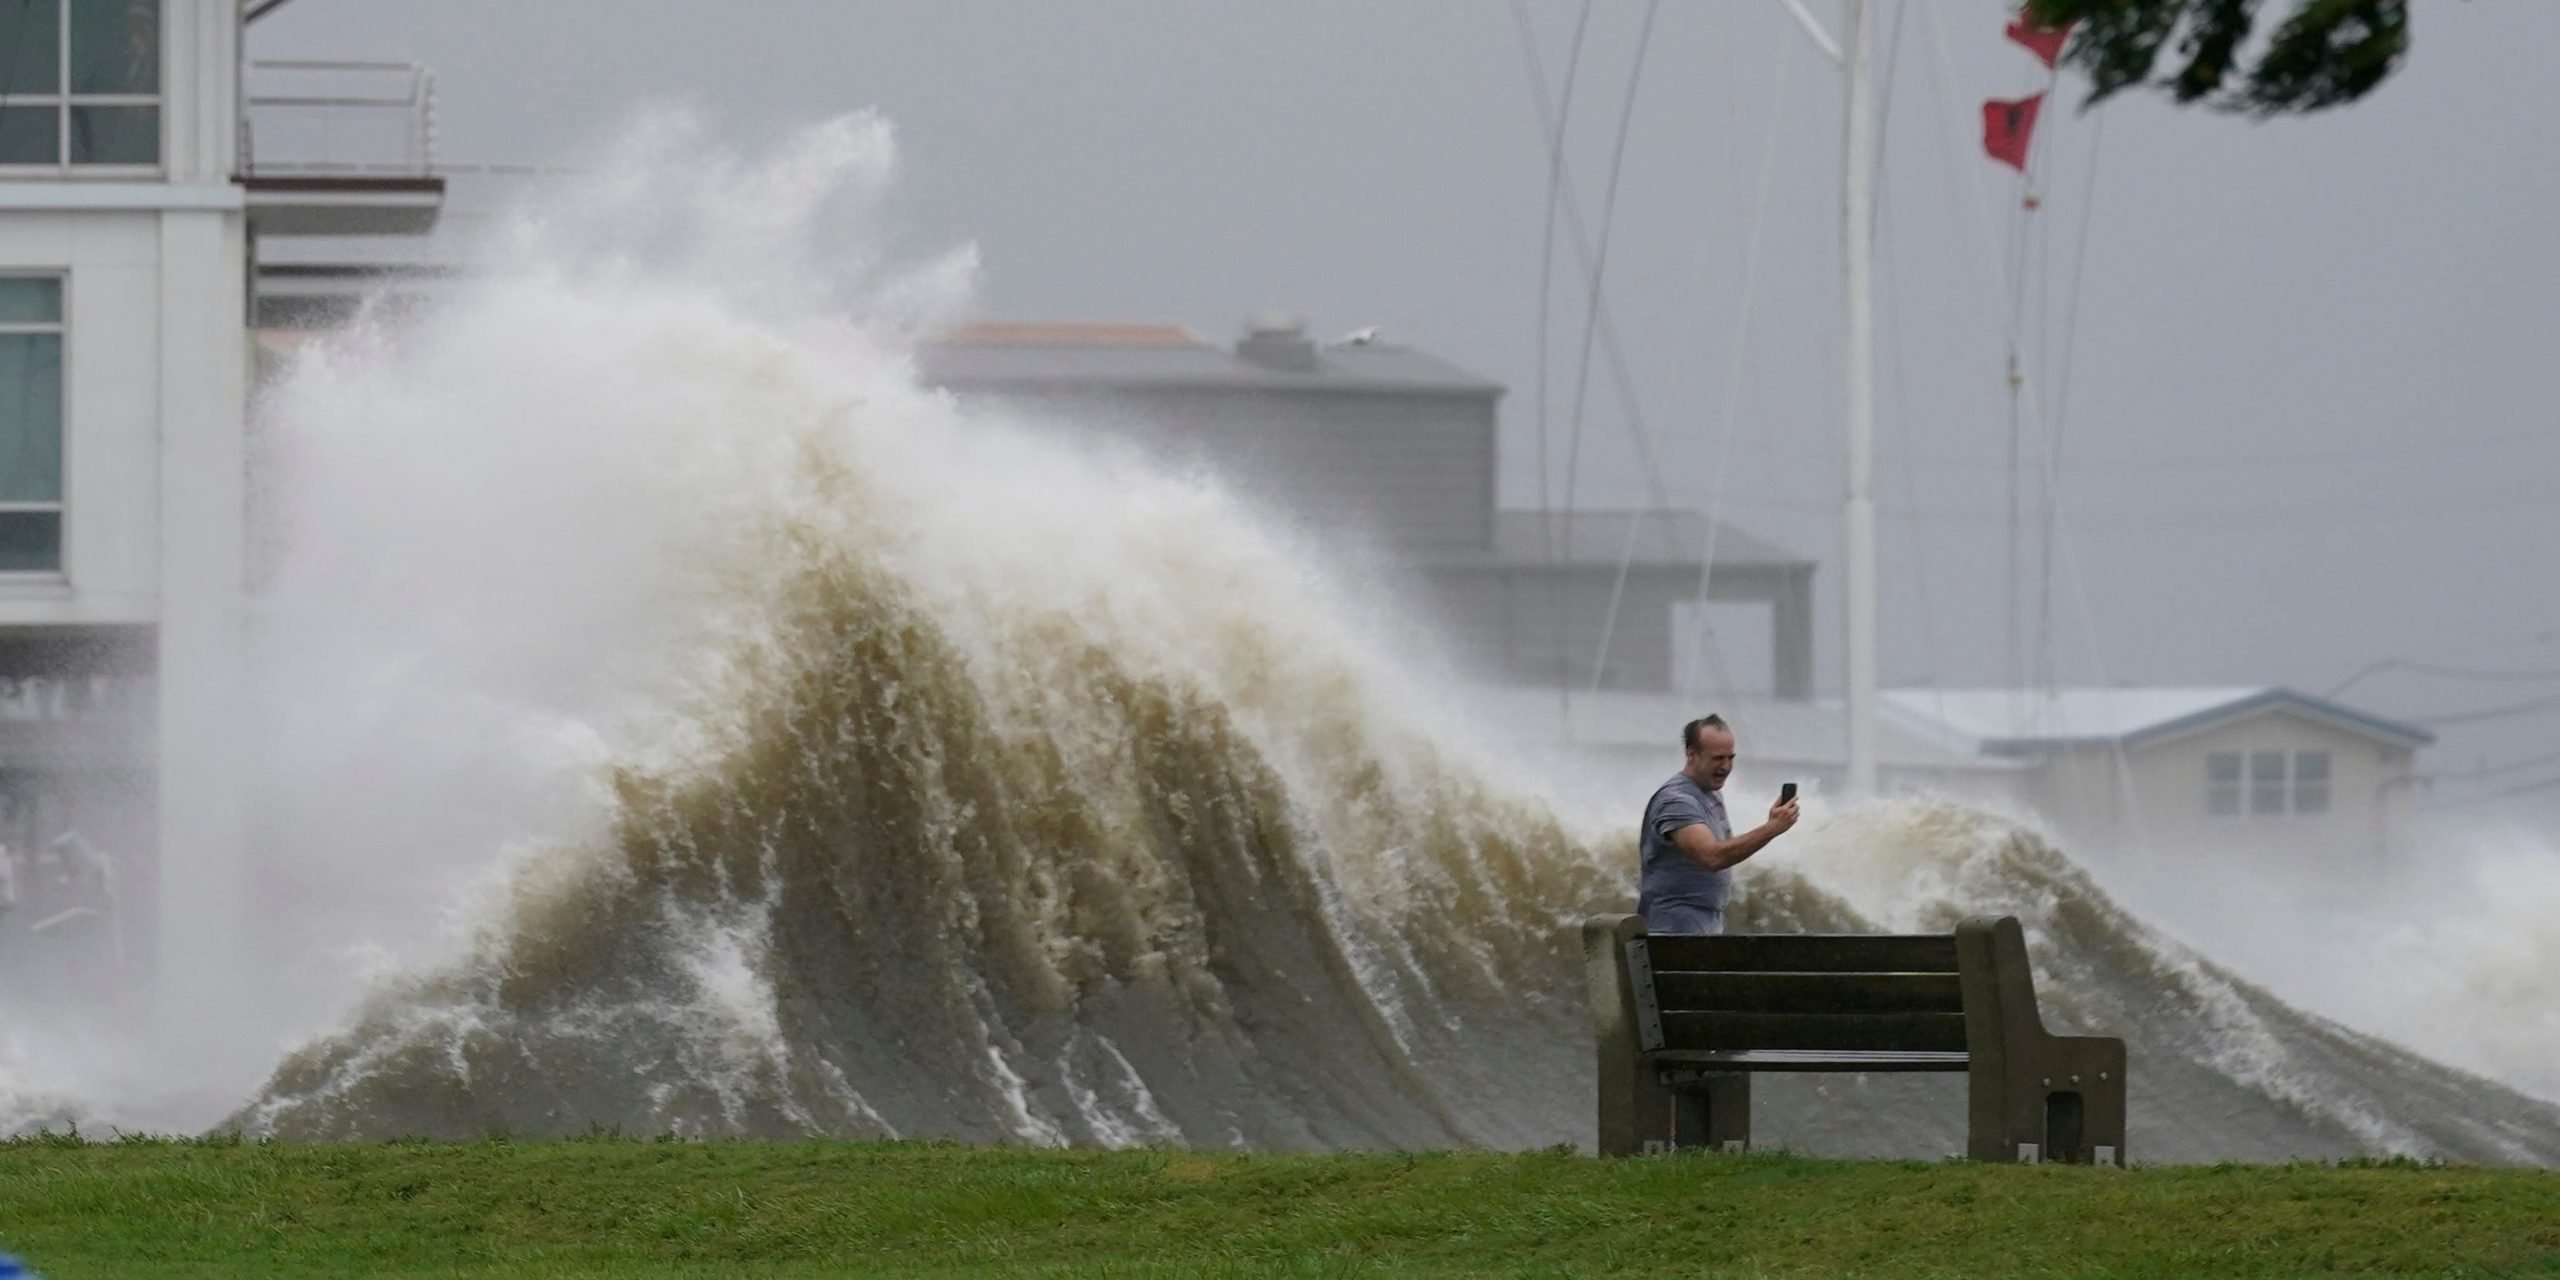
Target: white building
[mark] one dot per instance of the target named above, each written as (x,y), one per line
(2264,773)
(127,217)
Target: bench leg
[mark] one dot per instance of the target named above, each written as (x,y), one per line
(2102,1117)
(1714,1113)
(1635,1111)
(2092,1070)
(2067,1105)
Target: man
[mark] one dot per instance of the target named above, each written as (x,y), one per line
(1687,848)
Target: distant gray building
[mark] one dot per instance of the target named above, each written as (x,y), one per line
(1398,446)
(2258,772)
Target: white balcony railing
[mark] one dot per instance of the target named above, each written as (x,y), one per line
(317,118)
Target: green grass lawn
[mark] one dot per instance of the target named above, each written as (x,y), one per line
(617,1208)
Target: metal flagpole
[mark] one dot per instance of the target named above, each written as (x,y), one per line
(1855,54)
(1858,507)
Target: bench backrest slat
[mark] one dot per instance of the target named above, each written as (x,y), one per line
(1803,953)
(1691,992)
(1877,992)
(1899,1032)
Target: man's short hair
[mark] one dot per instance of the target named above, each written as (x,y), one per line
(1689,731)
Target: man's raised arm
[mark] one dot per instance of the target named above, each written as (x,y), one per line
(1698,840)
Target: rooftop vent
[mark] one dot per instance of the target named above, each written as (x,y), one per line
(1277,340)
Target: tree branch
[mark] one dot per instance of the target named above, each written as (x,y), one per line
(2327,54)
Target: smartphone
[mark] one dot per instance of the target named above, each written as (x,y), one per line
(1786,793)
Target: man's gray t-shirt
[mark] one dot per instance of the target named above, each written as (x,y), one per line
(1670,877)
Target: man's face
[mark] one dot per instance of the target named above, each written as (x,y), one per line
(1712,758)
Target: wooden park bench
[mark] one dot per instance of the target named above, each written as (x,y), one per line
(1683,1021)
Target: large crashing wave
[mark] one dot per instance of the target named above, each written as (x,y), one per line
(934,778)
(998,791)
(1050,901)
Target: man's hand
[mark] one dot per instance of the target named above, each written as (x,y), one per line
(1782,815)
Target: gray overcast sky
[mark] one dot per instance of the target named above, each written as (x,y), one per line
(2308,422)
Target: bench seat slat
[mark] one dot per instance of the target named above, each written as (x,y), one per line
(1697,1061)
(1804,952)
(1884,1032)
(1797,992)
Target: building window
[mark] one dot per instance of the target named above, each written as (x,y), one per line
(2266,782)
(2222,784)
(2310,782)
(30,424)
(80,83)
(2270,783)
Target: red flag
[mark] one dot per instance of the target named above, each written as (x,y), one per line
(2044,42)
(2007,127)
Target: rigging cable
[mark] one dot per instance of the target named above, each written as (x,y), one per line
(1579,237)
(1890,302)
(2028,235)
(2441,670)
(2045,661)
(2130,788)
(1562,114)
(2506,793)
(1600,273)
(1731,409)
(2494,770)
(2504,711)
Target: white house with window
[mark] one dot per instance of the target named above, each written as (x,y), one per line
(128,215)
(2223,772)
